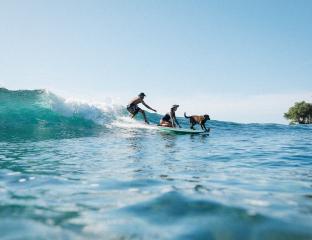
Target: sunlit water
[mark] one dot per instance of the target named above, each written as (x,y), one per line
(131,181)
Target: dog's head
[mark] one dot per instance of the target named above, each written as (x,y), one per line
(206,116)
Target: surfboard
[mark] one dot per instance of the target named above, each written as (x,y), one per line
(181,130)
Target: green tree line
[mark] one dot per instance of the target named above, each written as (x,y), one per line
(300,113)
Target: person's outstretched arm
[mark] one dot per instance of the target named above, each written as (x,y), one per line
(172,119)
(175,119)
(148,106)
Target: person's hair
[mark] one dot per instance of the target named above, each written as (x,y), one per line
(174,106)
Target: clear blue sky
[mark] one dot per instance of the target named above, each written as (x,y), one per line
(237,60)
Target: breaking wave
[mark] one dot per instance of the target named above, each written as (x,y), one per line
(42,114)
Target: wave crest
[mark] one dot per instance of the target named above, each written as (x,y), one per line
(42,114)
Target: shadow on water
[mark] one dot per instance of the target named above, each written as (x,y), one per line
(203,138)
(169,140)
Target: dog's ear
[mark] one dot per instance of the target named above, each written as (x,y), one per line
(207,116)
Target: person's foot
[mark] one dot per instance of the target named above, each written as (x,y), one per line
(146,122)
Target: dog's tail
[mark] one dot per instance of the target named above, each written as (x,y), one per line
(186,116)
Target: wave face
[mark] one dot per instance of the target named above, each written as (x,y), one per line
(43,115)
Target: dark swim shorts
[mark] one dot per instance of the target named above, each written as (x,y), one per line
(133,109)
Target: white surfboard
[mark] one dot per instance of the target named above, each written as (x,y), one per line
(181,130)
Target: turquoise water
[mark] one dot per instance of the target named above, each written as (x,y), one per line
(72,170)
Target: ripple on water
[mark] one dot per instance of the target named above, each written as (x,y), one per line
(175,216)
(244,181)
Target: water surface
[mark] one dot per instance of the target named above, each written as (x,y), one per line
(91,173)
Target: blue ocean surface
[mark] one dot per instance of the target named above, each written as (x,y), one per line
(72,170)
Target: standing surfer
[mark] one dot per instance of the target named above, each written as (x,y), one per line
(134,109)
(170,120)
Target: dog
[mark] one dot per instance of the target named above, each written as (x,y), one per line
(201,120)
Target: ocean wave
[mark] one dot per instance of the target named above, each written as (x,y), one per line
(173,215)
(42,114)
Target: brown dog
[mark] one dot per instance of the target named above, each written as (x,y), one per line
(201,120)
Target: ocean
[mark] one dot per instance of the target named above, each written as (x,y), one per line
(73,170)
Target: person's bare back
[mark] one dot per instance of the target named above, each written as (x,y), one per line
(136,101)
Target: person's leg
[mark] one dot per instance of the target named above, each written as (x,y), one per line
(143,113)
(169,124)
(133,114)
(134,111)
(165,124)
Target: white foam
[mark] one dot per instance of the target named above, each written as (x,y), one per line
(99,112)
(257,202)
(128,123)
(106,113)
